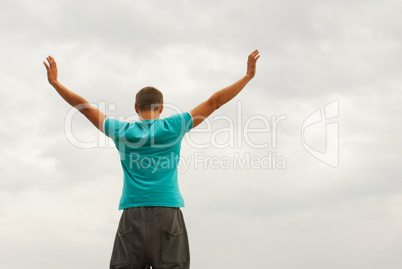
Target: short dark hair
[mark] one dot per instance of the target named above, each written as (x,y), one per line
(149,98)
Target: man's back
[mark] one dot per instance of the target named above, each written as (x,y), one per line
(149,154)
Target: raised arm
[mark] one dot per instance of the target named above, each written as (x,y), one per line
(219,98)
(92,114)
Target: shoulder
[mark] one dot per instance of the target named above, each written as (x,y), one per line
(180,121)
(186,116)
(113,126)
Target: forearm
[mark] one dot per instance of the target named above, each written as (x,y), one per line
(70,97)
(223,96)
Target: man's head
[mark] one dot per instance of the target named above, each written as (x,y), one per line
(149,99)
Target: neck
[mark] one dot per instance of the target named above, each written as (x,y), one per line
(149,115)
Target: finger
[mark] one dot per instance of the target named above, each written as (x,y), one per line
(255,53)
(47,67)
(51,61)
(252,60)
(251,54)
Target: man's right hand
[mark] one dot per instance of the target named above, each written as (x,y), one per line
(251,63)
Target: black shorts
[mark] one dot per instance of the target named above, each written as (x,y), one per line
(151,236)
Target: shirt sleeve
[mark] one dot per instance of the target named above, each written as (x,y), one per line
(181,123)
(114,128)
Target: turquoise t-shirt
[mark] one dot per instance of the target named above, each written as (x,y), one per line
(149,154)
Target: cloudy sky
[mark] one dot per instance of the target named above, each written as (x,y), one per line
(61,179)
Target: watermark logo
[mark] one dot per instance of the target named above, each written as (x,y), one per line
(330,156)
(258,133)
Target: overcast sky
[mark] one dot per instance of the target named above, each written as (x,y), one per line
(58,200)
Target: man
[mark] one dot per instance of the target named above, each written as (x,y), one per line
(151,232)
